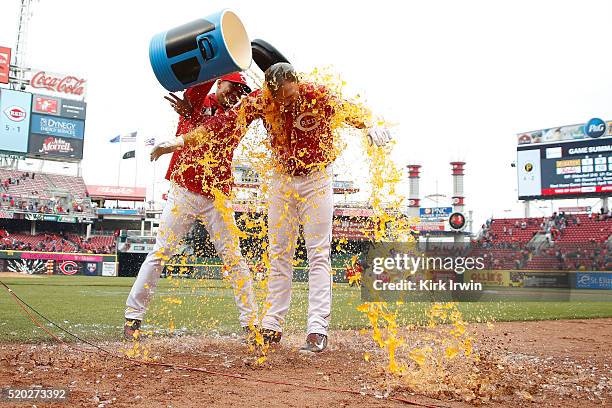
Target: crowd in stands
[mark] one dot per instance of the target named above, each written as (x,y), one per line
(570,242)
(40,205)
(61,242)
(32,192)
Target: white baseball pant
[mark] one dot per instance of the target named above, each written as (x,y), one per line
(295,200)
(182,209)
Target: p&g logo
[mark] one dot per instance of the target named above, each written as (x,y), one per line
(595,128)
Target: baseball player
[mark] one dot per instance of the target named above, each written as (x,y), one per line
(300,118)
(199,191)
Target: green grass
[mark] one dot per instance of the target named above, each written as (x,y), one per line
(92,307)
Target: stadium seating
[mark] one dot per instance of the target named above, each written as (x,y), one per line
(38,187)
(510,230)
(47,242)
(591,229)
(579,241)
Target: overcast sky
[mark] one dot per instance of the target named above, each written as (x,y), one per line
(460,77)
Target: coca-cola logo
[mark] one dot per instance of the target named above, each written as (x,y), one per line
(55,145)
(4,61)
(67,84)
(15,113)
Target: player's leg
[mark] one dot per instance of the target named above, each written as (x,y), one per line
(176,219)
(316,214)
(282,236)
(219,220)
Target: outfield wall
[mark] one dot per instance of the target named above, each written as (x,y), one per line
(58,263)
(542,279)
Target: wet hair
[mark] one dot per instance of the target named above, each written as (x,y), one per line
(279,73)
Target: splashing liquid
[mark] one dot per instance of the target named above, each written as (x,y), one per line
(269,153)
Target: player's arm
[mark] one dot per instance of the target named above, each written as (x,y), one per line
(379,135)
(233,121)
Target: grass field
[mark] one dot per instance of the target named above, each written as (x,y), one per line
(92,307)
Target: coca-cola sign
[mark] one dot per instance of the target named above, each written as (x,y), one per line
(60,84)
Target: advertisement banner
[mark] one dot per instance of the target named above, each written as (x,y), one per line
(544,279)
(61,256)
(435,213)
(351,228)
(593,280)
(489,278)
(46,105)
(117,193)
(55,126)
(116,211)
(6,214)
(55,147)
(62,85)
(109,269)
(594,128)
(431,226)
(5,62)
(581,209)
(15,110)
(73,109)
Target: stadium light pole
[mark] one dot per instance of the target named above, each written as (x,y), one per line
(23,24)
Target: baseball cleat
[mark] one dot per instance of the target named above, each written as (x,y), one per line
(315,343)
(131,329)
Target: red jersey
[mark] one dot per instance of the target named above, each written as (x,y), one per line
(208,166)
(301,136)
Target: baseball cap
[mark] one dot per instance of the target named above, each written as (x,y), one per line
(237,78)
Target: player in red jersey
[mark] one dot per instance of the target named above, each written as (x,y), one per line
(201,181)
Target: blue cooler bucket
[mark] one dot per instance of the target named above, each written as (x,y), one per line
(200,51)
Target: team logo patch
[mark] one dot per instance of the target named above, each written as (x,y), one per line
(306,121)
(528,167)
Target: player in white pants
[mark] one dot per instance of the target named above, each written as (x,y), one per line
(200,190)
(295,200)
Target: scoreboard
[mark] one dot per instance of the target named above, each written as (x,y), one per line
(572,167)
(41,126)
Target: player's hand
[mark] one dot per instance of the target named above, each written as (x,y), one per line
(166,147)
(379,135)
(181,106)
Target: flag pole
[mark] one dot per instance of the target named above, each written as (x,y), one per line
(154,182)
(120,159)
(136,165)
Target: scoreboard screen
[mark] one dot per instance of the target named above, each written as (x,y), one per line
(15,108)
(569,169)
